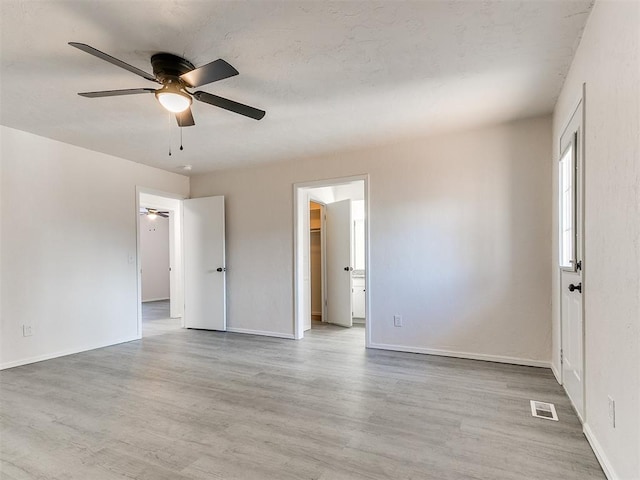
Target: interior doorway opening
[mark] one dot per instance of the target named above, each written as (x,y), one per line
(316,260)
(160,280)
(331,255)
(197,270)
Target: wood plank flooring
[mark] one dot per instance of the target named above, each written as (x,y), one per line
(156,319)
(204,405)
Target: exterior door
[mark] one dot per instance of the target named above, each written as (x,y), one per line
(571,261)
(204,264)
(339,241)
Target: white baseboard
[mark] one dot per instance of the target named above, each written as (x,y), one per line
(556,373)
(600,455)
(64,353)
(155,299)
(472,356)
(262,333)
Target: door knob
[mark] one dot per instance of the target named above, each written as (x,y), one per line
(573,287)
(348,269)
(220,269)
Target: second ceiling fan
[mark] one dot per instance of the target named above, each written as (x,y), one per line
(176,75)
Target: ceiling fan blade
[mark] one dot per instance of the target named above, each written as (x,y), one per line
(115,93)
(230,105)
(97,53)
(185,119)
(211,72)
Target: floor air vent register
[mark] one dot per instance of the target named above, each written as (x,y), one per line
(544,410)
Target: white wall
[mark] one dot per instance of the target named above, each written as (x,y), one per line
(68,246)
(608,61)
(154,252)
(460,240)
(323,194)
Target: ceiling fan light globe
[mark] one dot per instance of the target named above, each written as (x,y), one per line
(175,102)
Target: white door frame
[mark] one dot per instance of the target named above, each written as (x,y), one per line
(580,210)
(301,246)
(138,260)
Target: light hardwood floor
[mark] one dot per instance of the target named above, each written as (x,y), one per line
(204,405)
(156,319)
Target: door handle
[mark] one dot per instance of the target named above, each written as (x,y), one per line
(573,287)
(348,269)
(220,269)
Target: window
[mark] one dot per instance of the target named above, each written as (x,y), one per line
(567,208)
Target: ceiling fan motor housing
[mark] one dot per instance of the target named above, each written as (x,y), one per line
(167,68)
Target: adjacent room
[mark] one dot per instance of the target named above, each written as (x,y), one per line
(154,253)
(332,257)
(160,286)
(320,240)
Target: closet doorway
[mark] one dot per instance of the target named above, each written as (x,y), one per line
(316,264)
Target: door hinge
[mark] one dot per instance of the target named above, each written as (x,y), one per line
(561,356)
(579,265)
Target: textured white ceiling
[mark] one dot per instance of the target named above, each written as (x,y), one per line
(331,76)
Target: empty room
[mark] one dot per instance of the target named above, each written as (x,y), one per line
(320,240)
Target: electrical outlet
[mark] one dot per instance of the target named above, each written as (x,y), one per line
(27,330)
(612,412)
(397,320)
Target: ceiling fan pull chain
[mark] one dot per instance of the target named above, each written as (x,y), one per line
(181,147)
(169,136)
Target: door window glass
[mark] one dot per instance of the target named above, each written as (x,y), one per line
(567,208)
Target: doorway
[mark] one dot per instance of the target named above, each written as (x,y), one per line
(571,259)
(316,260)
(197,270)
(331,253)
(160,279)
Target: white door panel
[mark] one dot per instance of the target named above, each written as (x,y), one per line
(339,248)
(572,336)
(204,264)
(571,255)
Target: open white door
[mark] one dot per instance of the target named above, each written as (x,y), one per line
(339,241)
(571,258)
(204,264)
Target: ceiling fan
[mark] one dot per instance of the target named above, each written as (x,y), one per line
(176,75)
(152,212)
